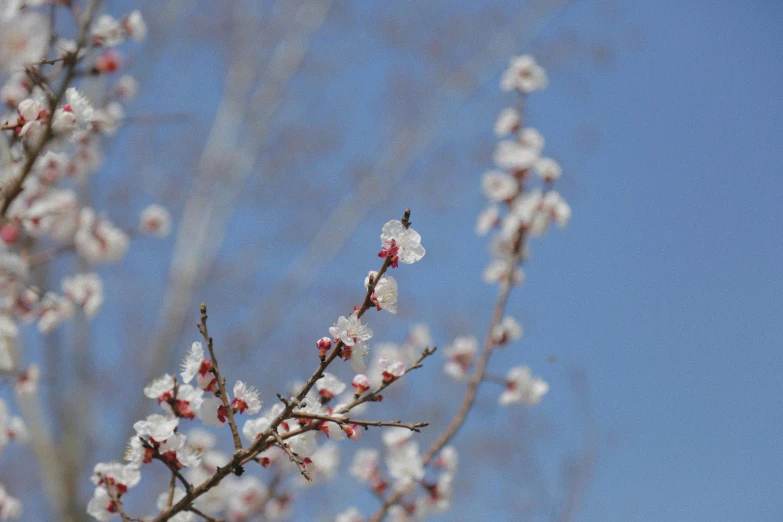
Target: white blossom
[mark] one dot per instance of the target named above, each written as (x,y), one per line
(497,271)
(548,169)
(513,155)
(349,515)
(354,336)
(386,294)
(246,399)
(157,427)
(523,74)
(522,387)
(365,464)
(403,244)
(508,330)
(487,219)
(155,221)
(460,357)
(508,122)
(404,464)
(499,186)
(135,25)
(86,291)
(98,240)
(329,386)
(107,31)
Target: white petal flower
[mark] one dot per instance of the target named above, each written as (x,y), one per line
(136,26)
(487,219)
(79,105)
(329,386)
(497,271)
(365,464)
(255,427)
(513,155)
(548,169)
(158,427)
(499,186)
(98,240)
(354,336)
(392,369)
(155,221)
(508,330)
(23,40)
(522,387)
(119,475)
(532,139)
(523,74)
(161,388)
(86,291)
(101,506)
(460,357)
(107,31)
(192,362)
(386,294)
(349,515)
(402,243)
(246,399)
(212,412)
(508,122)
(405,464)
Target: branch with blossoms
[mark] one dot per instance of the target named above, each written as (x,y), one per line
(51,145)
(527,214)
(290,427)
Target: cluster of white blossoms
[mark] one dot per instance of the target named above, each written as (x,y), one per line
(11,429)
(51,136)
(296,437)
(403,471)
(399,242)
(516,211)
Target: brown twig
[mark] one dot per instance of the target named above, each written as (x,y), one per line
(171,465)
(221,381)
(293,457)
(204,515)
(373,395)
(345,420)
(172,487)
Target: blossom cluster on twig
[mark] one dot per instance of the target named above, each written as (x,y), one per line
(51,140)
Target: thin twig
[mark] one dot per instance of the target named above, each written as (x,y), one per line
(171,465)
(221,381)
(345,420)
(293,457)
(373,396)
(204,515)
(172,487)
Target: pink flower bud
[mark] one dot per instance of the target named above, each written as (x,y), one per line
(323,344)
(353,432)
(361,383)
(110,61)
(9,233)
